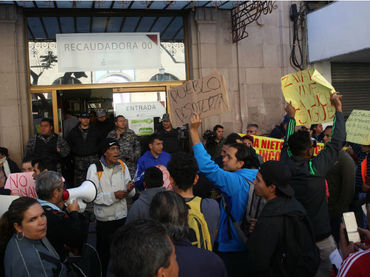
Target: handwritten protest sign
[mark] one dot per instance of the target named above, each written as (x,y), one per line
(358,127)
(309,93)
(207,96)
(270,148)
(21,184)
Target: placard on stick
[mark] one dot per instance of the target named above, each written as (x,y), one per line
(207,96)
(358,127)
(309,93)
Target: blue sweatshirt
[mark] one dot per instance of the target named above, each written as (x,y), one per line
(148,160)
(235,189)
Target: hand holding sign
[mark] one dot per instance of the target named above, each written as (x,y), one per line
(335,99)
(290,110)
(195,121)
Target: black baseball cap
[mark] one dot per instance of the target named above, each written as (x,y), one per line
(107,143)
(278,174)
(84,115)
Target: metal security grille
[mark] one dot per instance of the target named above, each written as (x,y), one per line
(353,81)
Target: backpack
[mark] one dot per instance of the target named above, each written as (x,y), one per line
(198,224)
(253,209)
(99,168)
(297,253)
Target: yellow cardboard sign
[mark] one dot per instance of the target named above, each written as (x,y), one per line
(309,93)
(270,148)
(358,127)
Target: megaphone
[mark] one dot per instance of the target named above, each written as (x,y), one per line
(85,193)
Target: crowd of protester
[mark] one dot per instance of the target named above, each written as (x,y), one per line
(162,209)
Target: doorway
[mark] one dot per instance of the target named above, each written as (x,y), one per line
(76,98)
(142,107)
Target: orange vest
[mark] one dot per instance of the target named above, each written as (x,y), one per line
(363,169)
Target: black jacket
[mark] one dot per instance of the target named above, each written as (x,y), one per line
(79,147)
(13,166)
(65,229)
(308,176)
(104,127)
(263,242)
(196,262)
(171,141)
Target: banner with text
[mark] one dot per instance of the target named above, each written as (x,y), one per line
(207,96)
(309,93)
(358,127)
(21,184)
(107,51)
(270,148)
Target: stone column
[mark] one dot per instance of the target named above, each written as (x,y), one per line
(14,108)
(211,49)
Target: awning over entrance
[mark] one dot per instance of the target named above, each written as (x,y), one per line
(129,5)
(47,18)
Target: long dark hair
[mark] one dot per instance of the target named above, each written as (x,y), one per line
(14,215)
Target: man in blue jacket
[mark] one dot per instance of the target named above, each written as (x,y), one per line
(155,156)
(232,181)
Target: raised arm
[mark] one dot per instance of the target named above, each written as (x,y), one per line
(285,152)
(222,179)
(329,155)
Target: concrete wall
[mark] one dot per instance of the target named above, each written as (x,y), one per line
(14,109)
(252,67)
(337,29)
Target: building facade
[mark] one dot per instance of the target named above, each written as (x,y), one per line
(203,41)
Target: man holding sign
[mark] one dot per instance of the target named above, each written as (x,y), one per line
(309,173)
(232,181)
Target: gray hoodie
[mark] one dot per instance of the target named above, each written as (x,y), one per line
(140,208)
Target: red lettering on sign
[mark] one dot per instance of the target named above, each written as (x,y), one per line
(256,143)
(263,144)
(272,145)
(13,182)
(23,181)
(286,84)
(297,80)
(309,75)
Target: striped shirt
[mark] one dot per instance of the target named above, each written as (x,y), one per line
(356,265)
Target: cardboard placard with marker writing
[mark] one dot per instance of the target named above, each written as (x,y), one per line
(309,93)
(207,96)
(358,127)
